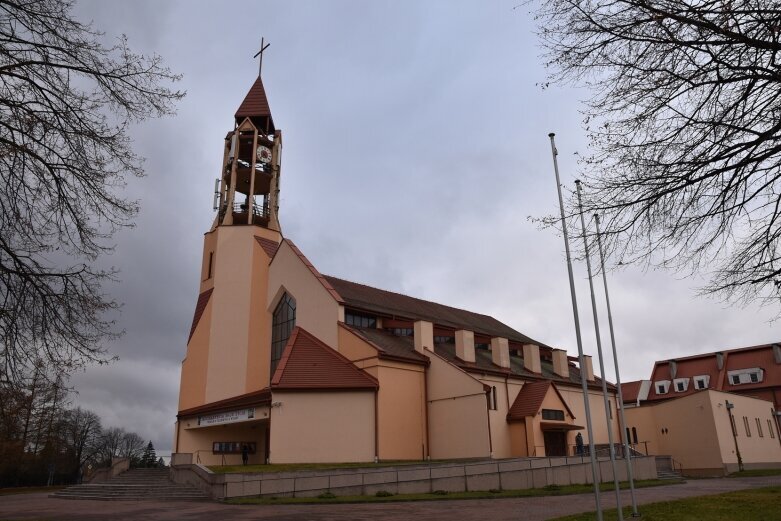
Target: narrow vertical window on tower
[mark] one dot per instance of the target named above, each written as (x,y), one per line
(282,324)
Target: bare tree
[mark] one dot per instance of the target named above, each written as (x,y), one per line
(66,101)
(684,121)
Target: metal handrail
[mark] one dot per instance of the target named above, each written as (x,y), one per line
(258,210)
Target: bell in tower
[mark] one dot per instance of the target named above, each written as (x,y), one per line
(247,192)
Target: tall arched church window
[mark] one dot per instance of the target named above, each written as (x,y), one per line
(282,324)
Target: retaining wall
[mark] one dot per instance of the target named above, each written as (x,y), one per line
(510,474)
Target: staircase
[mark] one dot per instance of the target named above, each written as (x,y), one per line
(135,484)
(666,468)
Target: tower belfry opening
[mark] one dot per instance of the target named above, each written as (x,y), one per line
(248,187)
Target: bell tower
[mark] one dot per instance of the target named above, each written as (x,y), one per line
(229,346)
(247,191)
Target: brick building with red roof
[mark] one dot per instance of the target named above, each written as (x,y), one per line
(303,367)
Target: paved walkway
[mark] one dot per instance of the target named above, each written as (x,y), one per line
(40,507)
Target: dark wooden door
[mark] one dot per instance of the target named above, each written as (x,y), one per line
(555,443)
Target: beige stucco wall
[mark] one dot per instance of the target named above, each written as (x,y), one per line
(316,310)
(198,441)
(698,432)
(500,432)
(574,398)
(458,418)
(231,304)
(755,449)
(259,326)
(322,427)
(518,447)
(401,399)
(192,383)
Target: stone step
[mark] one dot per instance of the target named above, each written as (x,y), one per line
(134,485)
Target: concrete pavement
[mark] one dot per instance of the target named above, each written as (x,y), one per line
(40,507)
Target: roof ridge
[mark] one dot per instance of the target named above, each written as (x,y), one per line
(713,353)
(417,298)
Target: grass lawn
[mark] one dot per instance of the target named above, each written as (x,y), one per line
(551,490)
(225,469)
(28,490)
(755,473)
(760,504)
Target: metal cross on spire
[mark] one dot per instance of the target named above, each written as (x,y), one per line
(260,53)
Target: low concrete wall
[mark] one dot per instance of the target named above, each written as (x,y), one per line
(118,466)
(510,474)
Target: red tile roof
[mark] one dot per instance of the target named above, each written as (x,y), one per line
(388,303)
(262,397)
(255,103)
(203,299)
(706,364)
(309,364)
(269,246)
(630,390)
(530,398)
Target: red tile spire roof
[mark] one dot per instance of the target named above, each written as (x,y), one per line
(255,104)
(309,364)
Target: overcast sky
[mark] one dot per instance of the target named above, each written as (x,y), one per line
(415,150)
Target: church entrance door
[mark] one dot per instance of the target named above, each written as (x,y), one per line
(555,443)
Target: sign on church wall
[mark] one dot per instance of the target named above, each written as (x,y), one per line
(221,418)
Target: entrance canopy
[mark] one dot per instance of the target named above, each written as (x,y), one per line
(555,426)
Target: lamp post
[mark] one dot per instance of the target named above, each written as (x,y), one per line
(734,428)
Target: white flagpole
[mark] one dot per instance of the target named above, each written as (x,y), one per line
(583,382)
(609,423)
(621,418)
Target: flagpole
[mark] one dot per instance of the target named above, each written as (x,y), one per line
(612,451)
(582,360)
(621,418)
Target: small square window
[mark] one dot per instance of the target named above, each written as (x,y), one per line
(660,390)
(700,384)
(735,379)
(680,386)
(754,377)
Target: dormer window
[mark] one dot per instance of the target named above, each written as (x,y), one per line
(353,318)
(746,376)
(662,386)
(702,381)
(681,385)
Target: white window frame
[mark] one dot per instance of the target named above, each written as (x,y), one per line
(704,378)
(744,375)
(664,383)
(684,381)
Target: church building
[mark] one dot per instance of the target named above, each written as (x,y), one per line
(301,367)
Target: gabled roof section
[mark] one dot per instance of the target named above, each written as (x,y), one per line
(630,390)
(389,303)
(323,280)
(262,397)
(255,103)
(389,345)
(309,364)
(530,398)
(200,306)
(269,246)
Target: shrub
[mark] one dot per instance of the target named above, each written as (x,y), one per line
(383,493)
(326,495)
(440,492)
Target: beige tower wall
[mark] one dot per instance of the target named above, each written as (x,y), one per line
(192,384)
(259,327)
(322,427)
(239,269)
(316,309)
(458,416)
